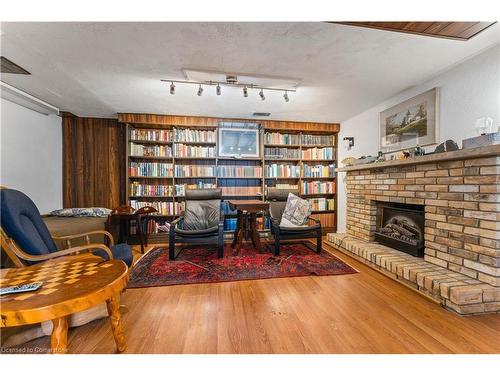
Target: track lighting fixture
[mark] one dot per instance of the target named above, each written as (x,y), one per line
(218,87)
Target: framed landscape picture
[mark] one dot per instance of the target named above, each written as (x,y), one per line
(410,123)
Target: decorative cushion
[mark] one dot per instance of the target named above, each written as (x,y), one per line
(82,212)
(121,251)
(296,212)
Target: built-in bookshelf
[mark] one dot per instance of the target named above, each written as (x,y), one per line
(163,161)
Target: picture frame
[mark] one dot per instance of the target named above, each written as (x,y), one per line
(413,122)
(239,142)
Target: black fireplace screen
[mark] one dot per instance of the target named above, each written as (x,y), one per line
(401,227)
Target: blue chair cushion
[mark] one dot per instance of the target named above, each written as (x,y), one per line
(121,251)
(22,221)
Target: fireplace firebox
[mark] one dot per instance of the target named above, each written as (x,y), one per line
(401,226)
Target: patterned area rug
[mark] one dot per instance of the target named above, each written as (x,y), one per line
(200,265)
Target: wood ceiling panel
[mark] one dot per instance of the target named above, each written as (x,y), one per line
(449,30)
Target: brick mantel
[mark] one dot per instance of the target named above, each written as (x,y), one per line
(462,207)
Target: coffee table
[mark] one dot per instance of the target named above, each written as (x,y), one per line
(70,284)
(247,217)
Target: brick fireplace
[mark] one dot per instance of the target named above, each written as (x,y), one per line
(460,194)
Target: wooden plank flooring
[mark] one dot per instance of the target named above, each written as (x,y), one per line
(360,313)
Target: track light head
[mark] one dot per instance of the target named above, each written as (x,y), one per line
(245,92)
(172,88)
(217,89)
(200,90)
(261,94)
(285,96)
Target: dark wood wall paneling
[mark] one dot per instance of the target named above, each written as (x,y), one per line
(449,30)
(93,162)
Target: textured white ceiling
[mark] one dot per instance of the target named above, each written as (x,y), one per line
(99,69)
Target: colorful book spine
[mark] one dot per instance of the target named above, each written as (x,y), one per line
(322,204)
(142,150)
(164,208)
(281,153)
(282,170)
(239,171)
(194,135)
(318,170)
(241,190)
(322,140)
(188,151)
(281,139)
(194,171)
(151,135)
(325,153)
(137,189)
(150,169)
(180,189)
(318,187)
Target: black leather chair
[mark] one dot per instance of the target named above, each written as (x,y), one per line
(277,199)
(201,223)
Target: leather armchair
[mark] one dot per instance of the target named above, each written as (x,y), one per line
(277,199)
(27,240)
(201,223)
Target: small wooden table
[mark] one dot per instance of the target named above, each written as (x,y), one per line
(70,284)
(247,217)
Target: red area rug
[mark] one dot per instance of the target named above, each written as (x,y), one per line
(200,265)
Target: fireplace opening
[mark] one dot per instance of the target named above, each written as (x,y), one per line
(401,226)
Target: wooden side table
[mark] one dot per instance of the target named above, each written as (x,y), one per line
(70,284)
(247,217)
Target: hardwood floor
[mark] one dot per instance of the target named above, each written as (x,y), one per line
(360,313)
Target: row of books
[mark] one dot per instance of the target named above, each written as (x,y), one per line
(239,171)
(137,189)
(282,170)
(241,190)
(322,204)
(163,207)
(318,170)
(194,171)
(180,189)
(281,139)
(151,135)
(231,223)
(318,187)
(282,153)
(151,169)
(142,150)
(311,140)
(325,153)
(187,151)
(194,135)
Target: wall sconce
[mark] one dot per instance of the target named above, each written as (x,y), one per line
(348,142)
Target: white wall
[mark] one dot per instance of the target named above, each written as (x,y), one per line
(468,91)
(31,154)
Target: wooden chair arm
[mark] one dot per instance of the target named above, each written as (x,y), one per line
(61,253)
(70,237)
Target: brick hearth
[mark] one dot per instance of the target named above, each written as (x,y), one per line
(462,222)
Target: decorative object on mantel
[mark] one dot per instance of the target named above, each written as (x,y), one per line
(449,145)
(348,161)
(364,160)
(411,123)
(486,138)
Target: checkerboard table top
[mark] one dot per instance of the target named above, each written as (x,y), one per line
(67,283)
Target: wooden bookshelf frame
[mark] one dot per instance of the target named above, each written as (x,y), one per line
(143,122)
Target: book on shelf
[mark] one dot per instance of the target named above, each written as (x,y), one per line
(194,135)
(323,140)
(180,189)
(322,153)
(322,204)
(281,153)
(188,151)
(142,150)
(281,139)
(147,190)
(163,207)
(150,135)
(282,170)
(318,170)
(239,171)
(318,187)
(241,190)
(150,169)
(194,171)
